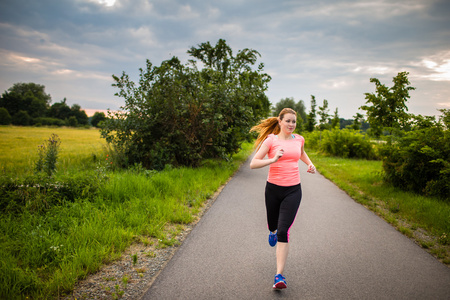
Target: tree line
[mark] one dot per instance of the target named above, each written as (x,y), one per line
(26,104)
(319,119)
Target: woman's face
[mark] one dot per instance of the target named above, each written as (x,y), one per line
(288,123)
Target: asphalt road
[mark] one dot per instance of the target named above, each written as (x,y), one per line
(338,250)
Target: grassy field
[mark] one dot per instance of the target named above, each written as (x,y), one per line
(424,219)
(46,248)
(19,147)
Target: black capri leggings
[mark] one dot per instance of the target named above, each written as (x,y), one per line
(282,203)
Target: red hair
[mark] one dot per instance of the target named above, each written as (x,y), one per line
(270,125)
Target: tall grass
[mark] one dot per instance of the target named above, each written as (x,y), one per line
(45,252)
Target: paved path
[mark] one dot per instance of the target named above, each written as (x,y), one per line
(339,250)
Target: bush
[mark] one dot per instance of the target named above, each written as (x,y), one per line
(313,139)
(22,118)
(72,121)
(420,161)
(49,121)
(346,143)
(179,115)
(5,118)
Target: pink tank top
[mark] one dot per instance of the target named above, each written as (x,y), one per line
(285,171)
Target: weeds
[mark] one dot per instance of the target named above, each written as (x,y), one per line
(444,239)
(48,155)
(134,258)
(118,293)
(141,270)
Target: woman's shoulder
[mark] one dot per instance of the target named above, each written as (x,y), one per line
(300,138)
(269,139)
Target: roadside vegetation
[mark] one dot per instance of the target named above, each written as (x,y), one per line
(56,230)
(399,167)
(424,219)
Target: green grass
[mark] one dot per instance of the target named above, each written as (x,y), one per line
(19,147)
(46,251)
(410,213)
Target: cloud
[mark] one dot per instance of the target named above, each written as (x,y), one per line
(327,48)
(107,2)
(447,104)
(438,65)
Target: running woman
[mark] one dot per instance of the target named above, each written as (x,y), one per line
(283,189)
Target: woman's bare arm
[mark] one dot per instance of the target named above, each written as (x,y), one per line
(258,160)
(305,158)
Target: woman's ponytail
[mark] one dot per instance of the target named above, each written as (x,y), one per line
(269,126)
(264,128)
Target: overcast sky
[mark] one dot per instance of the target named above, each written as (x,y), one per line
(326,48)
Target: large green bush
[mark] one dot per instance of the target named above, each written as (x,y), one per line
(347,143)
(420,161)
(179,114)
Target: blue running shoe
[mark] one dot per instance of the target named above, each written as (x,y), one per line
(273,239)
(279,282)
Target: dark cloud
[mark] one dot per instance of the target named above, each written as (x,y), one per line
(326,48)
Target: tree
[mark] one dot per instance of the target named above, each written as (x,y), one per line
(216,58)
(97,118)
(388,105)
(60,110)
(178,114)
(311,119)
(335,122)
(79,114)
(324,116)
(357,121)
(445,118)
(236,90)
(5,117)
(299,107)
(37,107)
(29,97)
(283,103)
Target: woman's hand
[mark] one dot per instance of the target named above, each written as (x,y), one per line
(278,155)
(311,169)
